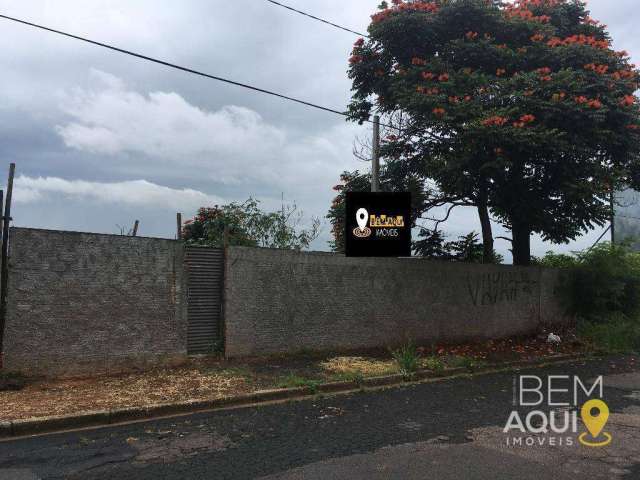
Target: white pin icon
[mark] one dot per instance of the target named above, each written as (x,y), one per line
(361,217)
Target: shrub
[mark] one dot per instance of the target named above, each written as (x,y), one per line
(557,260)
(408,358)
(604,281)
(614,334)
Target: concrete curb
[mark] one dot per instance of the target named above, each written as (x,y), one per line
(37,426)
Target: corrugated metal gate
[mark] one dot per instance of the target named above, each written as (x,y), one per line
(205,273)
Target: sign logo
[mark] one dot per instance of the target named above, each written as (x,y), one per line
(378,224)
(557,425)
(595,423)
(362,231)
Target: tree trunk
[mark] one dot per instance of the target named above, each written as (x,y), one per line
(521,244)
(487,234)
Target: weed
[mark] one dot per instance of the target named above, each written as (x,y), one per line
(467,363)
(617,334)
(408,359)
(295,381)
(355,377)
(433,363)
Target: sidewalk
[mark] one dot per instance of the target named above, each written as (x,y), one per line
(210,379)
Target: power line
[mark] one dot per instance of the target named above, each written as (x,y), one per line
(317,18)
(178,67)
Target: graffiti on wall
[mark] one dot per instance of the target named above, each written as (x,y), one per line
(493,288)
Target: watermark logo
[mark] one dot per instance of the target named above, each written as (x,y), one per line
(553,416)
(595,423)
(362,231)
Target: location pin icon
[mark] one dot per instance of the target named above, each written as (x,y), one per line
(361,217)
(595,424)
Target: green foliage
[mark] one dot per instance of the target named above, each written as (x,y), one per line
(557,260)
(467,363)
(408,359)
(249,226)
(355,377)
(467,248)
(296,381)
(615,334)
(522,107)
(433,363)
(605,281)
(350,182)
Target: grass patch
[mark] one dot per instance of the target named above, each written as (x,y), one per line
(616,335)
(358,367)
(408,359)
(355,377)
(295,381)
(467,363)
(432,363)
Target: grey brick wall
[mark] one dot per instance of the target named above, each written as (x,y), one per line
(282,301)
(91,304)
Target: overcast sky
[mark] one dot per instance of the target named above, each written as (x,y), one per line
(101,139)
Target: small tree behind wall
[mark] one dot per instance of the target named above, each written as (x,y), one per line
(247,225)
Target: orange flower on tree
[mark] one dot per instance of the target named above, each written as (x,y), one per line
(418,61)
(524,121)
(428,75)
(500,72)
(444,77)
(439,112)
(628,100)
(495,121)
(595,104)
(538,37)
(471,35)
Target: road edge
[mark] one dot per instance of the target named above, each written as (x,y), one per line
(64,423)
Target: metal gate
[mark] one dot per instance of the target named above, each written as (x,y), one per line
(205,271)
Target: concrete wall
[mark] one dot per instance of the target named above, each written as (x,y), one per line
(85,303)
(282,301)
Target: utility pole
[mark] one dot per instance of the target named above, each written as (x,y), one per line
(179,226)
(375,157)
(135,228)
(4,269)
(613,215)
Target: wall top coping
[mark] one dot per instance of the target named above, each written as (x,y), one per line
(109,235)
(253,253)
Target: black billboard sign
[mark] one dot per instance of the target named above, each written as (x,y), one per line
(378,224)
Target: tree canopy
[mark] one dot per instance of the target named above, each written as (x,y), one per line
(247,225)
(524,108)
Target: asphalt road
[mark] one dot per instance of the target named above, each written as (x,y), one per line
(446,430)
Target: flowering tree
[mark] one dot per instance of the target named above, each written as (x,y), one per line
(523,108)
(247,225)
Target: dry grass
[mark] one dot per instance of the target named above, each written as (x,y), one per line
(367,367)
(59,397)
